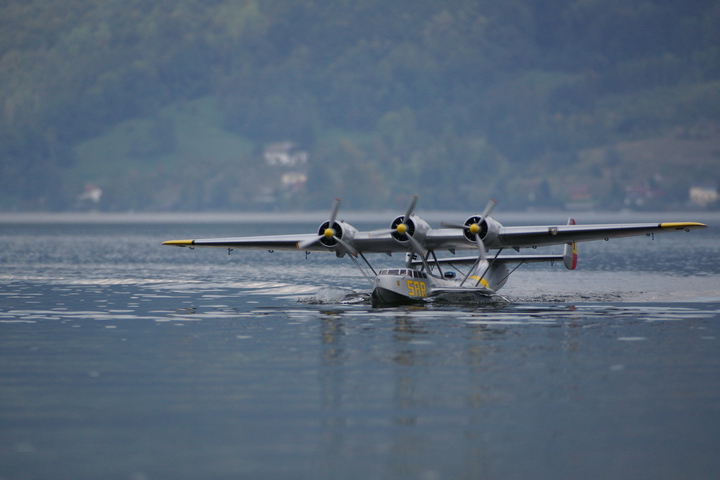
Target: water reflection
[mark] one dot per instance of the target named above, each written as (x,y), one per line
(209,366)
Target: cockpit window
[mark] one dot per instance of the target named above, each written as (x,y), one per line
(404,272)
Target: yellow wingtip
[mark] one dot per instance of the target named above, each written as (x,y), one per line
(682,225)
(179,243)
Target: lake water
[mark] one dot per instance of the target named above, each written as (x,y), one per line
(123,359)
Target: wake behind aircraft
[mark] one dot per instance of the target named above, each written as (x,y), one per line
(424,276)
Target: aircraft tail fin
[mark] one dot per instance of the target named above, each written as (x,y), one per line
(570,253)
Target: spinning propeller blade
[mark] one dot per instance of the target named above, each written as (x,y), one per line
(351,250)
(410,208)
(488,208)
(402,227)
(329,232)
(334,212)
(416,246)
(474,228)
(481,247)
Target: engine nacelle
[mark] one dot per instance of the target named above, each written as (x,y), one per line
(415,227)
(343,231)
(488,229)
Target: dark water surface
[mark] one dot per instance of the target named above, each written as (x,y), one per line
(122,359)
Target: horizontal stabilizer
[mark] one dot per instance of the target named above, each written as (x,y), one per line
(499,259)
(450,290)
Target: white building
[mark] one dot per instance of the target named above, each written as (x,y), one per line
(704,196)
(285,154)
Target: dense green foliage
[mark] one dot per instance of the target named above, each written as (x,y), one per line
(456,100)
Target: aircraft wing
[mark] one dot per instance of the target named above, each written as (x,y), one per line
(449,239)
(364,242)
(269,242)
(544,235)
(523,237)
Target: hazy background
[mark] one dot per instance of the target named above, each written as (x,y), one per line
(179,105)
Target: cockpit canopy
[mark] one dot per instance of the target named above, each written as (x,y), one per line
(405,272)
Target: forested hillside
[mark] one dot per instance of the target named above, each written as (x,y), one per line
(169,104)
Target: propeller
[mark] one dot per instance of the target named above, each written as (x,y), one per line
(328,232)
(481,247)
(408,213)
(402,228)
(473,227)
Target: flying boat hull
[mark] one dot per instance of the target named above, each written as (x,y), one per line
(408,286)
(400,287)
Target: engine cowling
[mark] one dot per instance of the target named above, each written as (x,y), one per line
(413,226)
(329,234)
(488,228)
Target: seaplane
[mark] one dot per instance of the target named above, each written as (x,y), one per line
(426,277)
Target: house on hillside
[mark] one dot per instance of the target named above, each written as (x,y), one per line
(704,195)
(642,195)
(289,162)
(285,154)
(294,182)
(89,198)
(580,197)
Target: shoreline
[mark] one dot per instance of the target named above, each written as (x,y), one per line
(436,217)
